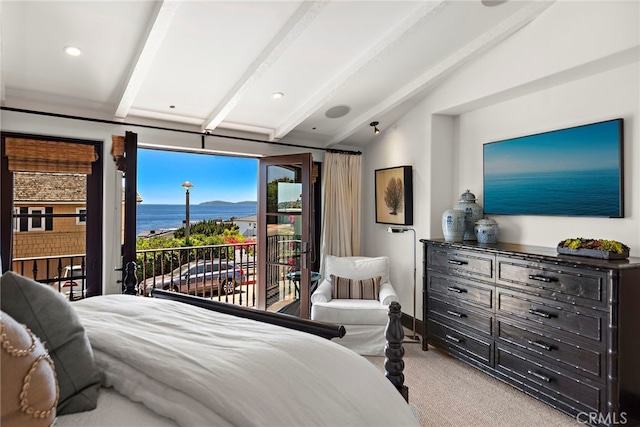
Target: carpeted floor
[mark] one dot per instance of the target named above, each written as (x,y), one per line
(447,392)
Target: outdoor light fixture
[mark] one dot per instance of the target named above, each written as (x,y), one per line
(394,230)
(186,185)
(375,128)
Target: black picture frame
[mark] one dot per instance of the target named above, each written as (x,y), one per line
(394,195)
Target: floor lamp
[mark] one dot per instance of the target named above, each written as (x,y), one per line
(414,337)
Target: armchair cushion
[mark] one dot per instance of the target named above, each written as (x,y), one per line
(357,268)
(349,312)
(344,288)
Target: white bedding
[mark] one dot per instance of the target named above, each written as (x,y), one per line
(115,410)
(202,368)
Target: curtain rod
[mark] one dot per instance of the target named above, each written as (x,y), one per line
(203,134)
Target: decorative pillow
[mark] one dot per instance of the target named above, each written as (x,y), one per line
(52,318)
(355,289)
(29,388)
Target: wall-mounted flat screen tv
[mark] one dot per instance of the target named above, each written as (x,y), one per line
(575,171)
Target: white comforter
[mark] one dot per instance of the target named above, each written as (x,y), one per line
(202,368)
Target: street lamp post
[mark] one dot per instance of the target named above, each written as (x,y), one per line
(187,185)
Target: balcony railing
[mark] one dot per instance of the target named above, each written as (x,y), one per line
(224,273)
(65,273)
(221,272)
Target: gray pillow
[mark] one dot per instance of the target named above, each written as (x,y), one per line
(52,319)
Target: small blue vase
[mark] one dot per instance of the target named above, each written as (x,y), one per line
(486,230)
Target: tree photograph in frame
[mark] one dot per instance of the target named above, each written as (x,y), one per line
(394,195)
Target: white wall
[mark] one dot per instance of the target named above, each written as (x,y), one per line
(576,64)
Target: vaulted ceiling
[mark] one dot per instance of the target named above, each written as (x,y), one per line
(215,65)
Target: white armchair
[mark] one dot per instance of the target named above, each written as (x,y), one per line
(364,319)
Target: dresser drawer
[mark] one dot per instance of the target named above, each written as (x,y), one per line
(548,346)
(461,262)
(460,314)
(458,341)
(461,289)
(541,313)
(562,283)
(549,380)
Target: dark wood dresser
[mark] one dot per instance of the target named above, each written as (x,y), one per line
(561,328)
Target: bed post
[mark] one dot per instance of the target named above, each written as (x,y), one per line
(130,281)
(394,351)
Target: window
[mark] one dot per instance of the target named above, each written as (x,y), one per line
(36,221)
(81,218)
(32,223)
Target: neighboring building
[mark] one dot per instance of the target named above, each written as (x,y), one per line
(146,234)
(247,225)
(49,193)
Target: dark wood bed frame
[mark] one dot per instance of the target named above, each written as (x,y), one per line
(394,352)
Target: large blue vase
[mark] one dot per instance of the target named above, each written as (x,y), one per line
(472,213)
(453,225)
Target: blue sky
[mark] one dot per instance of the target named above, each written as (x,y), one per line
(161,174)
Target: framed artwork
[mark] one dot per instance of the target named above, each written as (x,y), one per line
(394,195)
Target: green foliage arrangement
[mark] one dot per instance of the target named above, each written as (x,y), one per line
(595,244)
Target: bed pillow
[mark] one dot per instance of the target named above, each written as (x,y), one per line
(52,318)
(29,388)
(344,288)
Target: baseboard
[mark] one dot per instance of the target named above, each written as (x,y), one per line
(407,322)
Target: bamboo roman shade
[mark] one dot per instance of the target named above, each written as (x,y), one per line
(31,155)
(117,151)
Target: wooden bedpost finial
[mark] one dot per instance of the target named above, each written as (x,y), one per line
(394,351)
(130,282)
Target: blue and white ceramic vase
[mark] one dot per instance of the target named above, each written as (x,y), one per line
(453,225)
(486,230)
(472,213)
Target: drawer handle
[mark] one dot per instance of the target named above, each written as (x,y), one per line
(539,313)
(456,290)
(456,262)
(540,344)
(452,338)
(539,376)
(542,278)
(456,314)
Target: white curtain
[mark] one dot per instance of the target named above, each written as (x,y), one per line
(341,205)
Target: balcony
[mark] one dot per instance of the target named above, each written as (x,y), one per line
(225,273)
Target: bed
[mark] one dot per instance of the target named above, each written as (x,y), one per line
(163,363)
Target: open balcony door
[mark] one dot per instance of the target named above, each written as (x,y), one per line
(284,208)
(129,279)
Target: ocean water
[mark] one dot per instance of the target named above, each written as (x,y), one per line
(565,193)
(156,217)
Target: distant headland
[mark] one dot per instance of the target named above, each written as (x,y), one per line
(222,202)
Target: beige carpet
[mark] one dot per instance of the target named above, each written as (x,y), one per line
(447,392)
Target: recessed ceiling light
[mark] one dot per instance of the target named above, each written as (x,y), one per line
(73,51)
(277,95)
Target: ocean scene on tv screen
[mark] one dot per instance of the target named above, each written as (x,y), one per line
(570,172)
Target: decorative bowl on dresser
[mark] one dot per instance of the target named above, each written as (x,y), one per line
(563,329)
